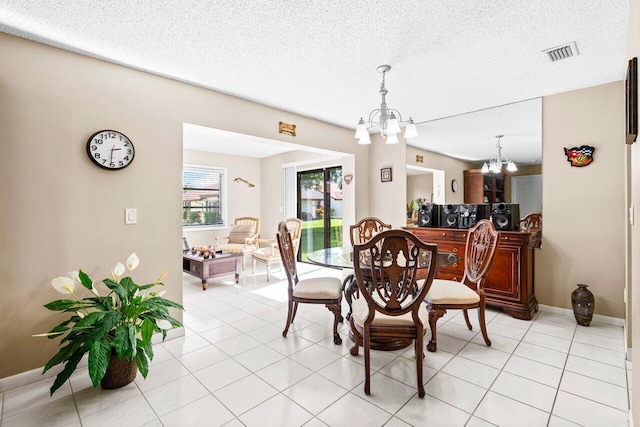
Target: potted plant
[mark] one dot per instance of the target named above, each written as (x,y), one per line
(114,329)
(410,208)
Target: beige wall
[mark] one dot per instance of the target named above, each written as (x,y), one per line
(584,215)
(633,50)
(52,101)
(242,200)
(420,187)
(388,199)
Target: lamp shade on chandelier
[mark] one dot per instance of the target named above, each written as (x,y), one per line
(387,120)
(495,164)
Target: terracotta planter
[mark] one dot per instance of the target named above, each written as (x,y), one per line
(119,373)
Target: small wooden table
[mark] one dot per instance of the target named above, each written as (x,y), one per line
(223,264)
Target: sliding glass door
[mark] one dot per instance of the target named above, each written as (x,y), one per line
(320,207)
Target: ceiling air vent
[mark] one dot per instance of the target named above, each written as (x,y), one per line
(561,52)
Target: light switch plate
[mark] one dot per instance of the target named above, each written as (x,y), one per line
(130,216)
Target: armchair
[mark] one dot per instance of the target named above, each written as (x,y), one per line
(271,255)
(243,237)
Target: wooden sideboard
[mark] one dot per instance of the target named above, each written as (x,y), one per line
(510,284)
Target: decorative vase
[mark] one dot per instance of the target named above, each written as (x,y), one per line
(120,372)
(583,304)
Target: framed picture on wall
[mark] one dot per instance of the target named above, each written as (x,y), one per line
(632,101)
(385,174)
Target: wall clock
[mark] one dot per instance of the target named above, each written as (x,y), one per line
(454,185)
(110,149)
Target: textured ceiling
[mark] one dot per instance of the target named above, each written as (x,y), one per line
(319,59)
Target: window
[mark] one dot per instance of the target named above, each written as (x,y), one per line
(203,196)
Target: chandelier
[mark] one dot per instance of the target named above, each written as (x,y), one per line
(496,163)
(388,120)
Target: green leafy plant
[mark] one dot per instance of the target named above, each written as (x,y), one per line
(122,322)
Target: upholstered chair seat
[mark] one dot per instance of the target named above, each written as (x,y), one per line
(451,292)
(242,239)
(319,288)
(361,311)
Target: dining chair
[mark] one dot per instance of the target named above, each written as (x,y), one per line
(315,290)
(243,237)
(533,221)
(469,293)
(270,254)
(388,263)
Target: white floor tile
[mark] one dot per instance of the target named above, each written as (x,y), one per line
(236,345)
(315,357)
(432,412)
(558,320)
(526,391)
(245,394)
(455,330)
(249,324)
(206,325)
(502,411)
(284,374)
(278,411)
(58,412)
(541,354)
(610,343)
(33,395)
(478,422)
(222,333)
(208,408)
(505,331)
(454,391)
(386,393)
(266,333)
(603,330)
(396,422)
(547,341)
(380,358)
(555,421)
(448,343)
(289,344)
(90,400)
(404,370)
(184,345)
(600,391)
(316,332)
(437,359)
(486,355)
(202,358)
(554,330)
(351,410)
(535,371)
(498,342)
(587,412)
(221,374)
(315,393)
(161,374)
(598,354)
(178,393)
(258,358)
(132,412)
(597,370)
(470,371)
(344,372)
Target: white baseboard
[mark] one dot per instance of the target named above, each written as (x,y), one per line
(35,375)
(613,321)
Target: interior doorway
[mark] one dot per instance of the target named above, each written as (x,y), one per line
(320,206)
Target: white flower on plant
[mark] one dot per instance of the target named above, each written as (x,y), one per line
(118,270)
(161,293)
(94,290)
(160,278)
(163,324)
(80,315)
(75,275)
(132,261)
(64,285)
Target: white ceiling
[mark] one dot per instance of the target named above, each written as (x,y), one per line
(319,59)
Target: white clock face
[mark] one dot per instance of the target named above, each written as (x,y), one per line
(110,149)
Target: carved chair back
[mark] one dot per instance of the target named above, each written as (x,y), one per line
(249,220)
(365,229)
(531,221)
(294,225)
(286,248)
(482,242)
(392,261)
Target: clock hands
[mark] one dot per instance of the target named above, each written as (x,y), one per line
(113,148)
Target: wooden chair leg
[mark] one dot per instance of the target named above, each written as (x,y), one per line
(367,363)
(419,354)
(357,339)
(466,319)
(336,309)
(295,311)
(434,315)
(242,262)
(290,315)
(483,326)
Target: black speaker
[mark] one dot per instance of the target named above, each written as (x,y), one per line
(471,214)
(505,216)
(450,216)
(429,215)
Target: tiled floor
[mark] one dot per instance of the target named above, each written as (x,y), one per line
(233,368)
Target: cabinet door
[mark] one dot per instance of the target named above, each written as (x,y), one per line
(503,278)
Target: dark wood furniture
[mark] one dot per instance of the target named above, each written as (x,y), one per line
(480,251)
(222,265)
(483,187)
(532,221)
(365,229)
(316,290)
(510,283)
(395,307)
